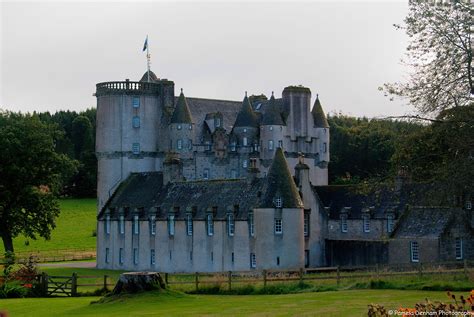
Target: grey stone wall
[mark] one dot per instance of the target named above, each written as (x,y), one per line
(399,250)
(355,230)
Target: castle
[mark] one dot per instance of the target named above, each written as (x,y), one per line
(191,184)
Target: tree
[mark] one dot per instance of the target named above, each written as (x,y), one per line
(440,54)
(31,174)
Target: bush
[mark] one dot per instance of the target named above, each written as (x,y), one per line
(13,290)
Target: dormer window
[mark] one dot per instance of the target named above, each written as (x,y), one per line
(230,225)
(343,223)
(135,224)
(278,202)
(210,224)
(107,224)
(390,223)
(171,224)
(122,224)
(244,141)
(218,122)
(152,225)
(366,223)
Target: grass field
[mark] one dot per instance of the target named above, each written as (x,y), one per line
(74,228)
(340,303)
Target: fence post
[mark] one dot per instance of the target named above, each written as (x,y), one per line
(196,281)
(264,272)
(301,275)
(166,279)
(230,280)
(74,284)
(338,275)
(420,269)
(44,283)
(105,282)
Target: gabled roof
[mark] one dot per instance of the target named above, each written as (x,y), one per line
(320,120)
(153,77)
(281,184)
(426,222)
(246,117)
(272,115)
(181,113)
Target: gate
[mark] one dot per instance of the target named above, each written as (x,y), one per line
(59,285)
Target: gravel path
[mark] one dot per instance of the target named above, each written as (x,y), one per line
(82,264)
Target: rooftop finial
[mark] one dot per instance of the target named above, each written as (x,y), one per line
(181,90)
(246,93)
(317,96)
(272,92)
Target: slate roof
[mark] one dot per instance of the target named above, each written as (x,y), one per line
(153,77)
(246,116)
(181,112)
(272,114)
(426,222)
(281,184)
(319,117)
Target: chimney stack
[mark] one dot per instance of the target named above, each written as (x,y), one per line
(172,168)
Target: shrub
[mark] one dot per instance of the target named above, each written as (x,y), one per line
(13,290)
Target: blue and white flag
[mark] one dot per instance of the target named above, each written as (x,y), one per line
(145,46)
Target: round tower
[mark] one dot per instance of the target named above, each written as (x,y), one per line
(271,130)
(129,116)
(321,131)
(181,129)
(297,103)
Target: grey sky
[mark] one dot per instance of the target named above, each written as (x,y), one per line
(53,54)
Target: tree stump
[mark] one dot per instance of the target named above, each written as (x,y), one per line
(134,282)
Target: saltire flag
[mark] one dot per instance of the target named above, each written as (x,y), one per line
(145,46)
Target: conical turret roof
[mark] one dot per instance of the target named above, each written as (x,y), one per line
(272,116)
(319,117)
(246,117)
(153,77)
(281,184)
(181,113)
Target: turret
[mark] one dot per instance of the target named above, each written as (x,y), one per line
(181,128)
(321,130)
(272,130)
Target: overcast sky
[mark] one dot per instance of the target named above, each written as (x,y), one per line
(53,54)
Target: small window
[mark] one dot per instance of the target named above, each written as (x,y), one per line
(210,225)
(245,130)
(459,249)
(208,145)
(468,205)
(152,225)
(270,145)
(390,223)
(278,202)
(171,225)
(136,122)
(205,174)
(306,225)
(179,127)
(190,144)
(135,256)
(251,225)
(218,122)
(325,147)
(278,226)
(179,144)
(271,128)
(135,224)
(233,146)
(245,163)
(232,257)
(190,255)
(107,224)
(306,258)
(414,251)
(136,102)
(253,260)
(152,257)
(255,147)
(189,224)
(122,224)
(344,223)
(190,126)
(233,173)
(280,144)
(230,225)
(136,148)
(107,255)
(244,141)
(366,223)
(121,255)
(212,256)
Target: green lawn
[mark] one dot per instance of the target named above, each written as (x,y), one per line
(339,303)
(74,228)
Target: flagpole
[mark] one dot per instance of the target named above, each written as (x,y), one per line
(148,59)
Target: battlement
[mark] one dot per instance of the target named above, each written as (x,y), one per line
(130,87)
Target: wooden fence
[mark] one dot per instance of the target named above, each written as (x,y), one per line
(53,255)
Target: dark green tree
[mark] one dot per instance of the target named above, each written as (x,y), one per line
(31,175)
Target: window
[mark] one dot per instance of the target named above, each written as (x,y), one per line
(278,261)
(390,223)
(278,226)
(136,122)
(171,225)
(251,225)
(212,256)
(366,223)
(210,225)
(233,173)
(107,224)
(468,205)
(107,255)
(255,147)
(245,130)
(136,148)
(190,144)
(205,175)
(280,144)
(122,224)
(271,128)
(152,256)
(189,224)
(414,252)
(218,122)
(245,163)
(325,147)
(190,255)
(244,141)
(306,225)
(135,224)
(233,146)
(136,102)
(278,202)
(459,249)
(179,127)
(344,223)
(253,260)
(232,257)
(121,255)
(270,145)
(306,258)
(152,225)
(208,145)
(230,225)
(135,256)
(179,144)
